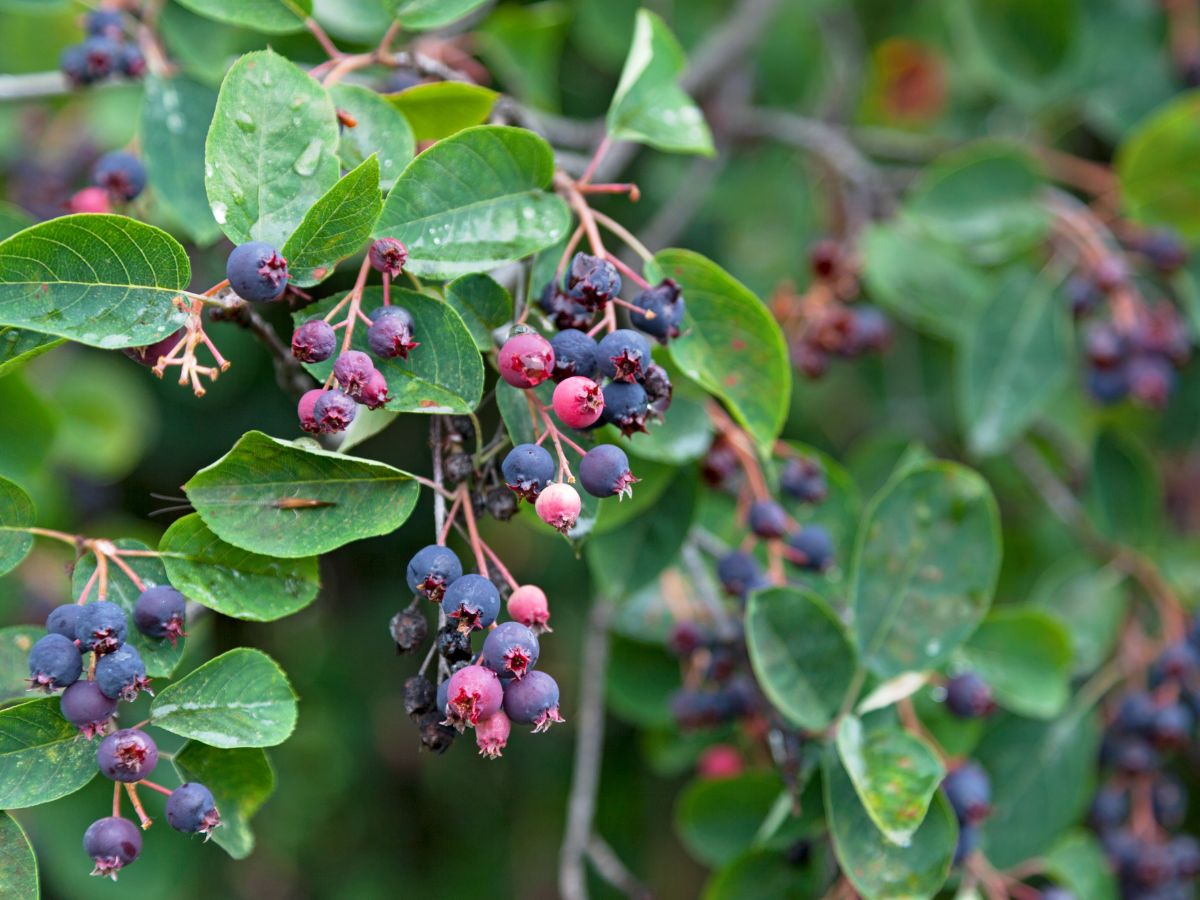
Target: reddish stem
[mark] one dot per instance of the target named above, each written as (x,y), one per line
(500,567)
(445,532)
(631,275)
(87,587)
(131,790)
(594,162)
(129,573)
(156,787)
(116,799)
(473,531)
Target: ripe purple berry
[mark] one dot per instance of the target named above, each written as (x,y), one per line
(510,650)
(804,479)
(1151,380)
(85,707)
(127,755)
(390,333)
(527,469)
(739,574)
(591,281)
(256,271)
(112,843)
(99,57)
(54,662)
(473,600)
(969,697)
(64,620)
(333,412)
(375,394)
(767,519)
(130,61)
(314,341)
(122,674)
(353,370)
(101,627)
(533,700)
(526,360)
(1108,386)
(121,174)
(604,472)
(578,402)
(73,63)
(107,22)
(811,548)
(969,791)
(160,612)
(665,302)
(307,412)
(388,256)
(432,570)
(559,506)
(562,310)
(473,693)
(491,734)
(623,355)
(574,354)
(191,809)
(626,405)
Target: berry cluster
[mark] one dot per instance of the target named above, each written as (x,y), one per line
(1139,811)
(118,177)
(1139,362)
(116,672)
(488,690)
(103,53)
(969,791)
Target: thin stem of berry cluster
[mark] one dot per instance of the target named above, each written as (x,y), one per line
(183,354)
(104,551)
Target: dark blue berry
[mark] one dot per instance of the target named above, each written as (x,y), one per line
(112,843)
(256,271)
(811,548)
(390,333)
(1172,726)
(122,674)
(54,662)
(191,809)
(626,405)
(665,301)
(160,612)
(562,310)
(869,330)
(64,620)
(533,700)
(106,22)
(1082,295)
(73,63)
(127,755)
(803,479)
(1136,713)
(574,354)
(1110,809)
(314,341)
(432,570)
(604,472)
(1170,801)
(1151,380)
(968,696)
(510,650)
(969,791)
(739,573)
(333,412)
(767,519)
(131,62)
(1134,756)
(1108,386)
(101,627)
(968,843)
(1184,850)
(527,469)
(121,174)
(591,281)
(623,355)
(1164,250)
(85,707)
(1178,662)
(100,56)
(473,600)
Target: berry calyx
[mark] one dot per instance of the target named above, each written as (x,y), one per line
(432,570)
(85,706)
(122,674)
(969,697)
(528,605)
(526,360)
(256,272)
(533,700)
(314,341)
(101,627)
(591,281)
(473,600)
(473,693)
(663,310)
(127,755)
(121,174)
(558,506)
(604,472)
(54,663)
(574,354)
(491,734)
(333,412)
(527,470)
(161,612)
(578,401)
(112,843)
(510,650)
(390,333)
(623,355)
(353,370)
(388,255)
(191,809)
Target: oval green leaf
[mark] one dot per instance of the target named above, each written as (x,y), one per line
(483,304)
(267,16)
(18,864)
(239,699)
(718,819)
(18,346)
(421,15)
(1158,167)
(379,129)
(438,110)
(241,497)
(16,515)
(241,780)
(1025,655)
(335,227)
(15,644)
(42,756)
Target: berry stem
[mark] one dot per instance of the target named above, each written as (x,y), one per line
(549,428)
(594,162)
(129,573)
(387,289)
(216,288)
(73,539)
(116,799)
(472,530)
(742,448)
(131,790)
(500,567)
(156,787)
(87,587)
(445,532)
(356,302)
(318,32)
(627,187)
(102,571)
(117,551)
(579,203)
(632,276)
(625,235)
(439,522)
(438,489)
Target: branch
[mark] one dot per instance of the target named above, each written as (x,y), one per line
(609,866)
(33,86)
(289,374)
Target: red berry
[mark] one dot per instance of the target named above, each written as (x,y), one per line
(474,693)
(306,410)
(528,605)
(719,761)
(491,734)
(526,360)
(558,506)
(375,393)
(388,255)
(578,401)
(90,200)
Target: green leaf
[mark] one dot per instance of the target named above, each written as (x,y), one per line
(924,568)
(241,780)
(1089,602)
(483,305)
(176,115)
(336,226)
(16,515)
(102,280)
(926,284)
(649,106)
(26,413)
(1042,775)
(474,201)
(1124,498)
(18,346)
(801,654)
(267,16)
(1158,167)
(271,151)
(367,423)
(1014,357)
(639,683)
(685,433)
(233,581)
(239,699)
(894,773)
(13,219)
(42,756)
(523,45)
(627,558)
(237,495)
(1025,655)
(438,110)
(1079,864)
(984,199)
(443,375)
(422,15)
(160,657)
(878,869)
(18,864)
(731,345)
(15,644)
(717,819)
(380,129)
(1019,44)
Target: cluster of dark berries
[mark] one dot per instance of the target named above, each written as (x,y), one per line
(117,178)
(104,53)
(721,688)
(1139,363)
(489,690)
(1140,810)
(115,672)
(969,791)
(389,335)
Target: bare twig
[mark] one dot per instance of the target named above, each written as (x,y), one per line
(609,866)
(289,374)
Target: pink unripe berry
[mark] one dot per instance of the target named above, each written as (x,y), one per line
(719,761)
(306,411)
(528,605)
(578,401)
(491,734)
(526,360)
(90,200)
(475,693)
(388,255)
(558,506)
(375,393)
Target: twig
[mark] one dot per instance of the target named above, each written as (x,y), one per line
(609,867)
(439,519)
